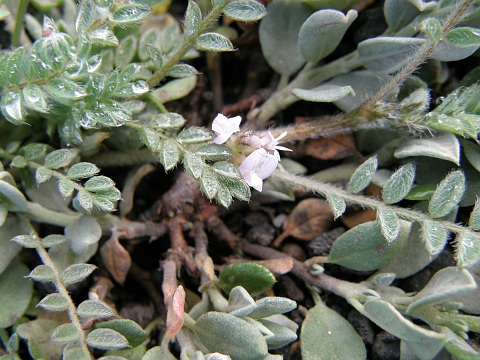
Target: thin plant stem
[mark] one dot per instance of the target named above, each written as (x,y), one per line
(206,23)
(325,189)
(71,309)
(22,8)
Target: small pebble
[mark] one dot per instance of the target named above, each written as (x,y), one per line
(386,347)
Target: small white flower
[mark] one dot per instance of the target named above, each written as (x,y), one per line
(268,142)
(258,166)
(225,127)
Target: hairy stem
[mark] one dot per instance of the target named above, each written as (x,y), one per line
(71,309)
(422,55)
(206,23)
(325,189)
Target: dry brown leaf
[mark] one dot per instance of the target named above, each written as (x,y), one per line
(117,260)
(278,266)
(335,147)
(311,217)
(175,312)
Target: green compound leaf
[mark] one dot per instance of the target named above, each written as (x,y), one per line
(474,221)
(150,138)
(107,339)
(326,332)
(226,169)
(66,187)
(34,98)
(42,273)
(447,195)
(76,273)
(15,294)
(223,195)
(182,71)
(95,309)
(245,10)
(435,236)
(34,151)
(279,35)
(324,93)
(389,223)
(365,248)
(25,241)
(230,335)
(155,55)
(126,51)
(169,154)
(133,332)
(362,177)
(467,248)
(194,135)
(103,37)
(192,21)
(399,184)
(253,277)
(98,183)
(65,333)
(322,32)
(54,302)
(432,28)
(238,189)
(214,152)
(54,239)
(463,37)
(337,204)
(12,107)
(213,42)
(130,14)
(193,164)
(82,170)
(167,121)
(60,158)
(42,174)
(209,183)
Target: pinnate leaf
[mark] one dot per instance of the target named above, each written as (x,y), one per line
(42,273)
(245,10)
(399,184)
(76,272)
(65,333)
(82,170)
(193,18)
(362,177)
(389,223)
(59,158)
(474,221)
(434,235)
(54,302)
(133,332)
(467,248)
(130,14)
(213,42)
(169,154)
(95,309)
(447,195)
(27,241)
(107,339)
(337,204)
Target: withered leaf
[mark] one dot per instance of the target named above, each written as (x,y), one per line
(117,260)
(278,266)
(359,217)
(311,217)
(175,312)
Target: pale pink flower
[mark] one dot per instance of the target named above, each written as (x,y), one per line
(268,142)
(258,166)
(224,127)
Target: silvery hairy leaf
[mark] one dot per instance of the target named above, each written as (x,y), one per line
(322,32)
